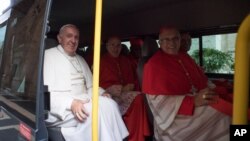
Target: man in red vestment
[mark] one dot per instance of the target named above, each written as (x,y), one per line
(118,78)
(179,95)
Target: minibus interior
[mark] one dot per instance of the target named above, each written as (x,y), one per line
(25,25)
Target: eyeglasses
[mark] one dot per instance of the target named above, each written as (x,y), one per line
(167,40)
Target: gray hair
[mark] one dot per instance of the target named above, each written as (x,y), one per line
(66,26)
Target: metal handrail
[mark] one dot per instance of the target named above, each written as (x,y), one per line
(241,77)
(96,68)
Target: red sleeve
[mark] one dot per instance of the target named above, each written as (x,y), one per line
(187,106)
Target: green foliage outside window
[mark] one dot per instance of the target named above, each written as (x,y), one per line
(215,61)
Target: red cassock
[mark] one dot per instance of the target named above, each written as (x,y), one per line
(119,71)
(169,77)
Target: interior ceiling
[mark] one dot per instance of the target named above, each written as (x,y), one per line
(83,10)
(141,17)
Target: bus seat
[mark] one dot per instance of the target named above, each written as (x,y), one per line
(50,42)
(54,133)
(149,47)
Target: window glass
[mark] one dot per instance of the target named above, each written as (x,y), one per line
(218,53)
(2,36)
(4,5)
(127,43)
(194,46)
(19,72)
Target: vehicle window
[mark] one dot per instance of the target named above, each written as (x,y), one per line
(194,47)
(127,43)
(217,53)
(4,5)
(2,36)
(20,49)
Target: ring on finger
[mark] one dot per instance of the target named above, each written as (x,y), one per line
(204,96)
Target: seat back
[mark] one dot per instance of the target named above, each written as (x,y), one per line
(149,47)
(55,134)
(50,42)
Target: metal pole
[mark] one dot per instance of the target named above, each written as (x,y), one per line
(241,75)
(96,68)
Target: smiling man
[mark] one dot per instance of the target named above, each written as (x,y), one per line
(69,80)
(179,95)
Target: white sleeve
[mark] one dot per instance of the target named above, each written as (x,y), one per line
(90,91)
(101,90)
(60,102)
(48,70)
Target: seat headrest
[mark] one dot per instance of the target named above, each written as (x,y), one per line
(149,47)
(50,42)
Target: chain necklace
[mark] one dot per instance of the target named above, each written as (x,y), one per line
(193,90)
(79,71)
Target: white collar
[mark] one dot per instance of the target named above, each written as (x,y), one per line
(60,48)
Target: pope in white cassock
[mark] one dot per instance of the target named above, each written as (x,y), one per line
(69,81)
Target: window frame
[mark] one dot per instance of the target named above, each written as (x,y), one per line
(213,31)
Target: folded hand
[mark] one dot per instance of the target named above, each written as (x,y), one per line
(78,109)
(206,97)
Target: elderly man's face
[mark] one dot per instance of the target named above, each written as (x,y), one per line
(69,39)
(169,40)
(114,47)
